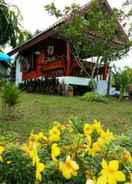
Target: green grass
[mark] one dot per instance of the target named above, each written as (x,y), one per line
(37,112)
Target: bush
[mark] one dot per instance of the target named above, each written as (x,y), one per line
(8,136)
(92,85)
(10,96)
(95,156)
(122,81)
(94,97)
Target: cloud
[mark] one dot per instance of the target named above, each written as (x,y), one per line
(36,18)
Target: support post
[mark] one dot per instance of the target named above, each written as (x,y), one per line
(105,71)
(109,82)
(68,58)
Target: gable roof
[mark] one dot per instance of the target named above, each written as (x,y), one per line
(52,29)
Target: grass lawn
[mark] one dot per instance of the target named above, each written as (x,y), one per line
(37,112)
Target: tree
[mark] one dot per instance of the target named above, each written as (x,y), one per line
(122,80)
(125,16)
(11,30)
(24,36)
(95,32)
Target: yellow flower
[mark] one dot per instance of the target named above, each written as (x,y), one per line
(97,126)
(54,134)
(34,155)
(32,151)
(9,162)
(89,181)
(32,138)
(58,125)
(25,148)
(110,173)
(127,156)
(2,149)
(69,168)
(103,139)
(39,169)
(41,136)
(107,135)
(55,151)
(96,147)
(131,177)
(88,129)
(89,141)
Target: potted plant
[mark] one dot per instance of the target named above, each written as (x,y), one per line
(70,91)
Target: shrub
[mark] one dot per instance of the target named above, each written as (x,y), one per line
(10,96)
(70,154)
(8,136)
(94,97)
(92,85)
(122,81)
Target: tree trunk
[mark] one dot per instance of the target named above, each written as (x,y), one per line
(109,82)
(77,59)
(95,66)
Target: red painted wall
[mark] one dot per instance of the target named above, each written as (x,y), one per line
(62,64)
(44,67)
(39,61)
(47,69)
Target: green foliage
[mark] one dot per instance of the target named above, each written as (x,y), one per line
(53,10)
(8,136)
(80,31)
(10,96)
(17,160)
(122,79)
(127,15)
(116,80)
(125,142)
(11,30)
(129,74)
(23,37)
(123,83)
(2,82)
(16,167)
(92,85)
(94,97)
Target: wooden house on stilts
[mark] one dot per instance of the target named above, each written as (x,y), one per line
(46,56)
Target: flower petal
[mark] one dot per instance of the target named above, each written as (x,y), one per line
(102,180)
(67,173)
(114,165)
(55,151)
(89,181)
(74,165)
(104,164)
(120,176)
(111,179)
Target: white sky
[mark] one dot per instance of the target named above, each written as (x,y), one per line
(34,16)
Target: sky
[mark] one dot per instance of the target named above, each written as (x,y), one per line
(35,17)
